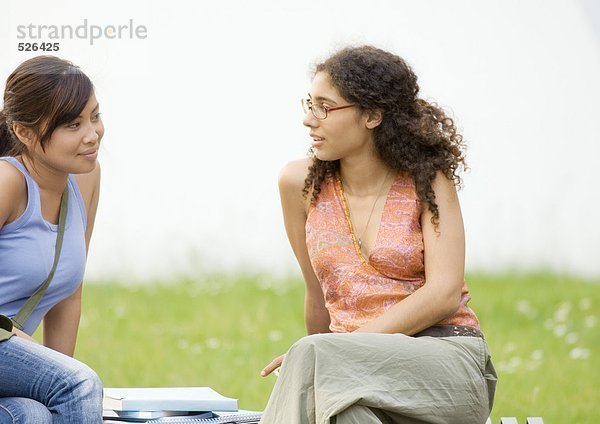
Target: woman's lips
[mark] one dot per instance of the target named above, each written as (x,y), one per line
(90,154)
(317,141)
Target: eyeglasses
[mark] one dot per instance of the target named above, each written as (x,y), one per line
(319,110)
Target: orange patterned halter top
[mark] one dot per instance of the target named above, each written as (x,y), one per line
(357,290)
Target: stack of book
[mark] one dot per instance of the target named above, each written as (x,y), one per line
(174,405)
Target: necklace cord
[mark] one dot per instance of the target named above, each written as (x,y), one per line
(359,238)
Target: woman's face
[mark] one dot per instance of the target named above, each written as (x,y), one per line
(344,132)
(73,147)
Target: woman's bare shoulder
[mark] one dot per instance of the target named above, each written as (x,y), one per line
(10,174)
(293,174)
(13,192)
(291,185)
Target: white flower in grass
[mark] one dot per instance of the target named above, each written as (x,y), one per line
(511,366)
(523,307)
(537,355)
(183,344)
(560,330)
(515,362)
(585,303)
(579,353)
(535,360)
(509,347)
(120,311)
(571,338)
(562,312)
(213,343)
(590,321)
(275,335)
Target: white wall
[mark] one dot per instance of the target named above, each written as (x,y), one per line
(203,113)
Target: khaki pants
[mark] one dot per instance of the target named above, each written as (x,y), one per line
(368,378)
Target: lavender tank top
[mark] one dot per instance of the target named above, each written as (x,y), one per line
(27,253)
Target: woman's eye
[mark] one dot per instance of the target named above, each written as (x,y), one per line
(96,117)
(73,126)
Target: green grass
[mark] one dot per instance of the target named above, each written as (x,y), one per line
(220,332)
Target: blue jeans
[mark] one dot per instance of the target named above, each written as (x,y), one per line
(39,385)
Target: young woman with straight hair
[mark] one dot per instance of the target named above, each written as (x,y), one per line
(50,132)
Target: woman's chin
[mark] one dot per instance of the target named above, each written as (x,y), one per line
(85,168)
(323,154)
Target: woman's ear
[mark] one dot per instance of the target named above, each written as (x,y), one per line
(374,118)
(24,134)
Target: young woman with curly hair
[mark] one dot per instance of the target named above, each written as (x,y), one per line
(375,223)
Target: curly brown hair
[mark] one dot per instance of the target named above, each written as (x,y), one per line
(415,136)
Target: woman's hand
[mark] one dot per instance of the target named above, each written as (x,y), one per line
(275,364)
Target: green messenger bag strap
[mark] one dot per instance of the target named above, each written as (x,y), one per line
(18,321)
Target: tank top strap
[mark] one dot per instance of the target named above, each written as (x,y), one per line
(14,162)
(33,194)
(33,197)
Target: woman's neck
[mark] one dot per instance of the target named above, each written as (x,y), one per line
(362,176)
(47,179)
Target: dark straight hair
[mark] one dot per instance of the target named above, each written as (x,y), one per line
(41,94)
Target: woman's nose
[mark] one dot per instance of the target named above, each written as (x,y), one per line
(310,120)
